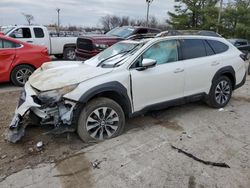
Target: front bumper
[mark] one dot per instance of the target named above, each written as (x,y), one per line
(58,113)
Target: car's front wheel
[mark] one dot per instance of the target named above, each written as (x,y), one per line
(220,93)
(100,119)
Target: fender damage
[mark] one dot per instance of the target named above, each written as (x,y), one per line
(51,109)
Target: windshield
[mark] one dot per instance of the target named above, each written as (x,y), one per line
(6,29)
(122,32)
(115,53)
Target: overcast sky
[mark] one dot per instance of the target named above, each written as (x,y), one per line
(79,12)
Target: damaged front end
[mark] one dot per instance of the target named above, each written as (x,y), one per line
(49,108)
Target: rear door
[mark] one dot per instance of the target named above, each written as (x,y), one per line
(200,64)
(7,56)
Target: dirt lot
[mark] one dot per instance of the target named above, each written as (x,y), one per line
(220,136)
(14,157)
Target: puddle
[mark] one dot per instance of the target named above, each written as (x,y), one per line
(74,172)
(169,125)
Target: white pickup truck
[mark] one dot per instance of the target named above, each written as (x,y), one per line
(60,47)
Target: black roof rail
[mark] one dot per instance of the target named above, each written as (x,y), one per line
(142,36)
(188,32)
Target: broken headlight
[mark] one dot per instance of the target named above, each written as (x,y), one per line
(55,95)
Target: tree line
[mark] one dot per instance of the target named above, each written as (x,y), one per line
(203,15)
(188,15)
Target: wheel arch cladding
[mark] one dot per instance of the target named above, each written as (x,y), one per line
(70,45)
(226,71)
(113,90)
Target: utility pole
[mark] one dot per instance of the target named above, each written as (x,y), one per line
(219,16)
(148,5)
(58,21)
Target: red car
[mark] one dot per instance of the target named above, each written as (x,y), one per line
(19,59)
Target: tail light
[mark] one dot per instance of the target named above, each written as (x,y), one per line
(244,57)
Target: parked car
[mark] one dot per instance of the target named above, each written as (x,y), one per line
(18,60)
(89,46)
(244,46)
(60,47)
(127,79)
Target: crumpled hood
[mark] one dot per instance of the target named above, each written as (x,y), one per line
(58,74)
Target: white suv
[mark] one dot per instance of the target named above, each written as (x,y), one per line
(127,79)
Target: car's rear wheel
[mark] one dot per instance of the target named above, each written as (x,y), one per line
(220,93)
(21,74)
(100,119)
(69,53)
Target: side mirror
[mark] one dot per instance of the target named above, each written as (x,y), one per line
(147,63)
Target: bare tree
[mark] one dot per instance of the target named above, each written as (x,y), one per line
(28,17)
(105,21)
(109,22)
(125,20)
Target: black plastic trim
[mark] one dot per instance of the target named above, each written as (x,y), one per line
(174,102)
(117,88)
(241,83)
(223,71)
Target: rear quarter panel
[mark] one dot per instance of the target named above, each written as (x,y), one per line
(30,55)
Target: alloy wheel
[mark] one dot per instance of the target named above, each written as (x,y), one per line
(102,123)
(71,55)
(222,92)
(23,75)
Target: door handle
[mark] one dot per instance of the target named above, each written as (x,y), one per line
(215,63)
(30,41)
(178,70)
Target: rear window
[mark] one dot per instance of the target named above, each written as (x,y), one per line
(217,46)
(192,48)
(8,44)
(38,32)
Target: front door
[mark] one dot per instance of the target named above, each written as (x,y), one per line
(161,83)
(23,34)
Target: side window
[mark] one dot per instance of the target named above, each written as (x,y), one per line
(240,43)
(142,31)
(21,33)
(162,52)
(8,44)
(192,48)
(209,50)
(217,46)
(38,32)
(1,43)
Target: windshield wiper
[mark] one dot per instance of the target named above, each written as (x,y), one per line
(102,61)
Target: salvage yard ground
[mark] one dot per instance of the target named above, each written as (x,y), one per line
(142,156)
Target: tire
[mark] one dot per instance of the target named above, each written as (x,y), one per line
(59,56)
(90,127)
(249,69)
(219,98)
(20,74)
(69,53)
